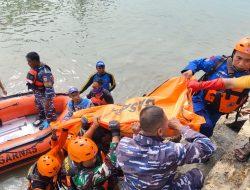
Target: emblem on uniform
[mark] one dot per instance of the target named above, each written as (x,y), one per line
(45,79)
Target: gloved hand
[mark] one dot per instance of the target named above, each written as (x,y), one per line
(85,122)
(114,127)
(216,84)
(44,125)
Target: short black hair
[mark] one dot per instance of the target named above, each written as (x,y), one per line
(151,118)
(99,81)
(33,56)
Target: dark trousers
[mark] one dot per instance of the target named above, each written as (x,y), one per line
(211,116)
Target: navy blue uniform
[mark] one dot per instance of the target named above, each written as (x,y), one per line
(148,163)
(42,85)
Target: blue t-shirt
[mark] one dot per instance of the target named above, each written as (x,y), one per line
(72,107)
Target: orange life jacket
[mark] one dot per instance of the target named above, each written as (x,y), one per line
(98,100)
(32,78)
(226,101)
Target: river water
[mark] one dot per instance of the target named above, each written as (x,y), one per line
(142,42)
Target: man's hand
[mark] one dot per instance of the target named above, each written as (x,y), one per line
(187,74)
(245,111)
(174,124)
(96,121)
(85,122)
(114,127)
(90,132)
(135,127)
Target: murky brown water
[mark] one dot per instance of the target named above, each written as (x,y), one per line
(143,42)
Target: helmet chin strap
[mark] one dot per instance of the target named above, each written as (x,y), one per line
(240,70)
(234,67)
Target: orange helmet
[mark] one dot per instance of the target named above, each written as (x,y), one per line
(48,165)
(69,138)
(243,45)
(82,149)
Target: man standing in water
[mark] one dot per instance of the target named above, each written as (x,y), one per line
(40,80)
(107,78)
(3,89)
(211,104)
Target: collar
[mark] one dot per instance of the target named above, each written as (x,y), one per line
(78,101)
(147,140)
(101,74)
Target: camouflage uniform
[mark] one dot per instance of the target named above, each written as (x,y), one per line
(148,163)
(36,180)
(44,96)
(91,178)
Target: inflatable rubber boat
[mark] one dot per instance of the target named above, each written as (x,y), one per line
(22,143)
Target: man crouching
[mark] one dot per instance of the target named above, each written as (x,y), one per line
(148,163)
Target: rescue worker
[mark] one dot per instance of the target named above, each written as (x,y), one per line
(211,104)
(107,78)
(242,154)
(149,163)
(40,80)
(99,95)
(3,89)
(86,167)
(43,174)
(76,103)
(46,173)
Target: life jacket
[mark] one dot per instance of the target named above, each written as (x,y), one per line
(225,101)
(34,175)
(32,77)
(98,100)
